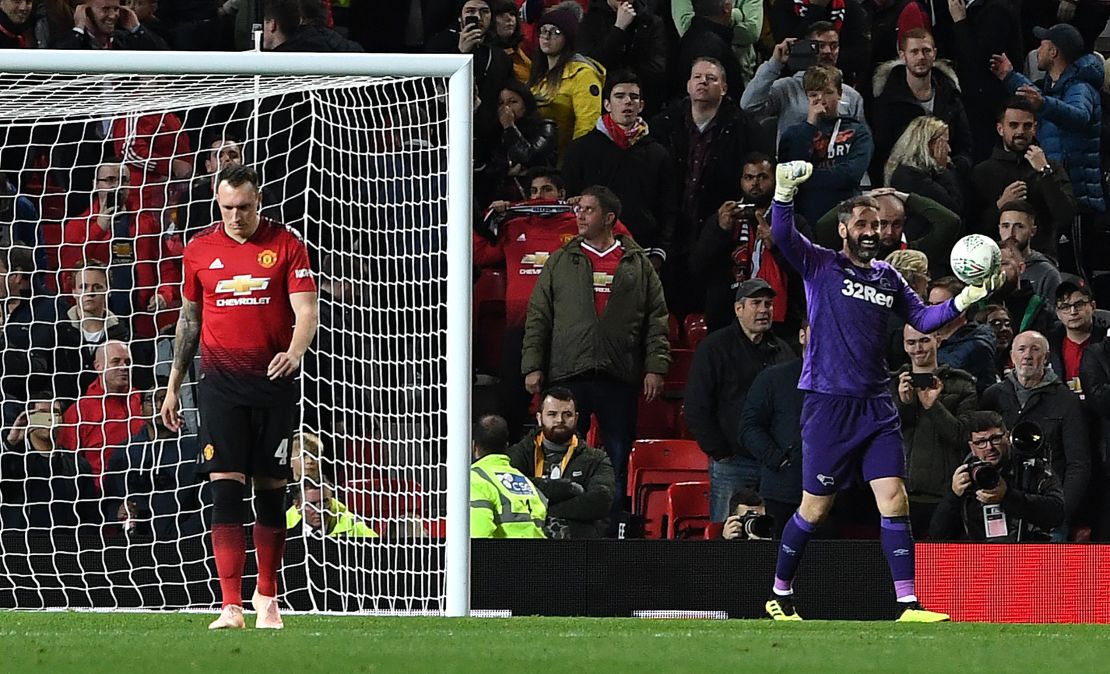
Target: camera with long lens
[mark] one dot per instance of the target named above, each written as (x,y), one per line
(756,525)
(984,474)
(1027,439)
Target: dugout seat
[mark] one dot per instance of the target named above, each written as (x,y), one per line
(655,465)
(695,329)
(687,509)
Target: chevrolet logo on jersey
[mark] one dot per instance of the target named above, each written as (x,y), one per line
(603,283)
(241,287)
(537,260)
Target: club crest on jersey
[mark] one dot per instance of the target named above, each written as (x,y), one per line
(267,258)
(209,452)
(565,238)
(241,287)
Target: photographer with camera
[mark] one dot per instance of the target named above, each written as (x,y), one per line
(749,520)
(775,92)
(997,495)
(930,398)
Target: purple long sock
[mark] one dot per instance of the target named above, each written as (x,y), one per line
(794,538)
(896,538)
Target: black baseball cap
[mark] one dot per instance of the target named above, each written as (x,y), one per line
(1066,38)
(753,287)
(1070,283)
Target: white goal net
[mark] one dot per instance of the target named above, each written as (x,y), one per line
(104,177)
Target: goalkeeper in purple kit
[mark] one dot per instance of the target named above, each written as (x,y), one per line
(849,422)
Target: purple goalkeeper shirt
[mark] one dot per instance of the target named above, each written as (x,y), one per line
(849,309)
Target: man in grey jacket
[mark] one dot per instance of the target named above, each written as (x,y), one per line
(772,93)
(1017,220)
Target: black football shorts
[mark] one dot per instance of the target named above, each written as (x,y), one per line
(240,438)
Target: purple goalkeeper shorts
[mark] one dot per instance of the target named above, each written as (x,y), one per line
(842,435)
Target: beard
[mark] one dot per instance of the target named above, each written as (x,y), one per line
(560,435)
(864,253)
(761,201)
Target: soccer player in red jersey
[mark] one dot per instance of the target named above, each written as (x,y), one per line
(249,302)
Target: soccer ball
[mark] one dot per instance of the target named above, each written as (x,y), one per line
(974,258)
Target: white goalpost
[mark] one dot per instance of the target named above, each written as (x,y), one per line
(106,163)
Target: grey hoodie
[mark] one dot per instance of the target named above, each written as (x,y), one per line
(770,94)
(1043,274)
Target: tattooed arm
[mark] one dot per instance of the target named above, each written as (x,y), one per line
(186,341)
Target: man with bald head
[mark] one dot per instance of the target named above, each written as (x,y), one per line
(108,414)
(1033,392)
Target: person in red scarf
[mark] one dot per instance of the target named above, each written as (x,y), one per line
(621,154)
(735,245)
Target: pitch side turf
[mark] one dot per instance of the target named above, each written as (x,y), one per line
(161,644)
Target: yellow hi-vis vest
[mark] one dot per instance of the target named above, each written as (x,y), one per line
(503,502)
(341,523)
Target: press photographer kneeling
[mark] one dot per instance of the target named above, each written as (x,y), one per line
(1004,491)
(748,519)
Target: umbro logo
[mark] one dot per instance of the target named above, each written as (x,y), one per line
(216,264)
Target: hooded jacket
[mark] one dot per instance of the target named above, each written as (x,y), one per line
(932,437)
(1042,273)
(642,177)
(563,335)
(840,150)
(587,514)
(971,349)
(574,104)
(895,107)
(1057,411)
(1069,126)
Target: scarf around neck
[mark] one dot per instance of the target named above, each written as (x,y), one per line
(623,139)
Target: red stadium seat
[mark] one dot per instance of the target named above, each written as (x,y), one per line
(673,330)
(653,466)
(674,384)
(687,509)
(489,319)
(695,329)
(713,531)
(383,501)
(659,418)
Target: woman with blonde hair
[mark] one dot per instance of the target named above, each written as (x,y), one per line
(921,163)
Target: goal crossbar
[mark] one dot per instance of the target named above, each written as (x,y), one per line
(458,70)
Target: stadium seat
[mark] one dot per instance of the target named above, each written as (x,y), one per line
(659,418)
(383,502)
(713,531)
(652,467)
(695,329)
(673,333)
(489,319)
(674,384)
(687,509)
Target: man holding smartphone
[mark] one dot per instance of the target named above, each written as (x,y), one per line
(930,398)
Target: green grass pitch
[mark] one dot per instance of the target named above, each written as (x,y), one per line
(165,643)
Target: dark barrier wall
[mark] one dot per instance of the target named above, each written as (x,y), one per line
(837,579)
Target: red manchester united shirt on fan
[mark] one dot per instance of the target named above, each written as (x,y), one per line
(246,317)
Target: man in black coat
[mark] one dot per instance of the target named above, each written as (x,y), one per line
(621,154)
(725,364)
(706,134)
(1095,375)
(771,431)
(902,90)
(285,28)
(627,36)
(1018,169)
(104,24)
(1033,392)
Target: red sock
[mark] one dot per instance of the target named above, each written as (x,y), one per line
(270,543)
(229,544)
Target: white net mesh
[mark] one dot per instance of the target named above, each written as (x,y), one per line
(105,178)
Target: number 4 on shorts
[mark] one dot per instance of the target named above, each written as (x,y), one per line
(282,453)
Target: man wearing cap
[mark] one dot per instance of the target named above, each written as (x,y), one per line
(725,365)
(1078,329)
(1068,107)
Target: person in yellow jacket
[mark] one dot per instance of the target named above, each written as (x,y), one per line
(566,84)
(324,515)
(503,501)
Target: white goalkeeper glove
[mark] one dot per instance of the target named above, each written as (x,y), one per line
(973,293)
(788,176)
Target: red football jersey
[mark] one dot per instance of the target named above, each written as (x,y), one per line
(604,263)
(246,316)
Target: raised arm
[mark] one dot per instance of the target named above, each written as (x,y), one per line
(798,250)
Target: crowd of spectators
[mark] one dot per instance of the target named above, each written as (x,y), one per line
(625,155)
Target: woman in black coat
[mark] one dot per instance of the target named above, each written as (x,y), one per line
(527,141)
(921,163)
